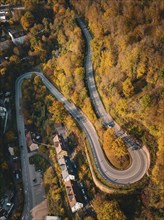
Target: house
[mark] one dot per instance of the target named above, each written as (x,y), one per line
(28,139)
(52,218)
(74,195)
(60,146)
(4,7)
(67,168)
(17,35)
(6,206)
(2,111)
(3,16)
(32,146)
(11,151)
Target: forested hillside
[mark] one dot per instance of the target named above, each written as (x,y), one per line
(65,69)
(127,50)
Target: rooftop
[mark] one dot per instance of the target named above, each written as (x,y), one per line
(59,144)
(17,33)
(66,167)
(11,151)
(32,146)
(73,193)
(28,138)
(52,218)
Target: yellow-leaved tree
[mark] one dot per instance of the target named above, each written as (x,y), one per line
(128,88)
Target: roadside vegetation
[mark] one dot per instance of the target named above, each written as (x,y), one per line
(56,113)
(127,58)
(66,71)
(5,178)
(55,189)
(55,40)
(8,182)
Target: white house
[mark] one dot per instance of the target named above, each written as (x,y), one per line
(17,36)
(52,218)
(67,168)
(11,151)
(2,111)
(3,15)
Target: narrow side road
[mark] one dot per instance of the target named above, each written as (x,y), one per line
(24,158)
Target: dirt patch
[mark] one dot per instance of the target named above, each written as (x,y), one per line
(40,211)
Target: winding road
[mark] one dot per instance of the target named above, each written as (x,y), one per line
(139,165)
(135,172)
(99,107)
(140,159)
(101,112)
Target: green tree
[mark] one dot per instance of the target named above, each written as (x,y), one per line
(145,101)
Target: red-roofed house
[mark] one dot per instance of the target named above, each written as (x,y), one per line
(74,195)
(32,146)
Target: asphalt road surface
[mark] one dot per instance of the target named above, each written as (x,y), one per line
(106,118)
(101,112)
(24,158)
(140,161)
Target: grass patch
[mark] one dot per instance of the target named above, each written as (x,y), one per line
(39,162)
